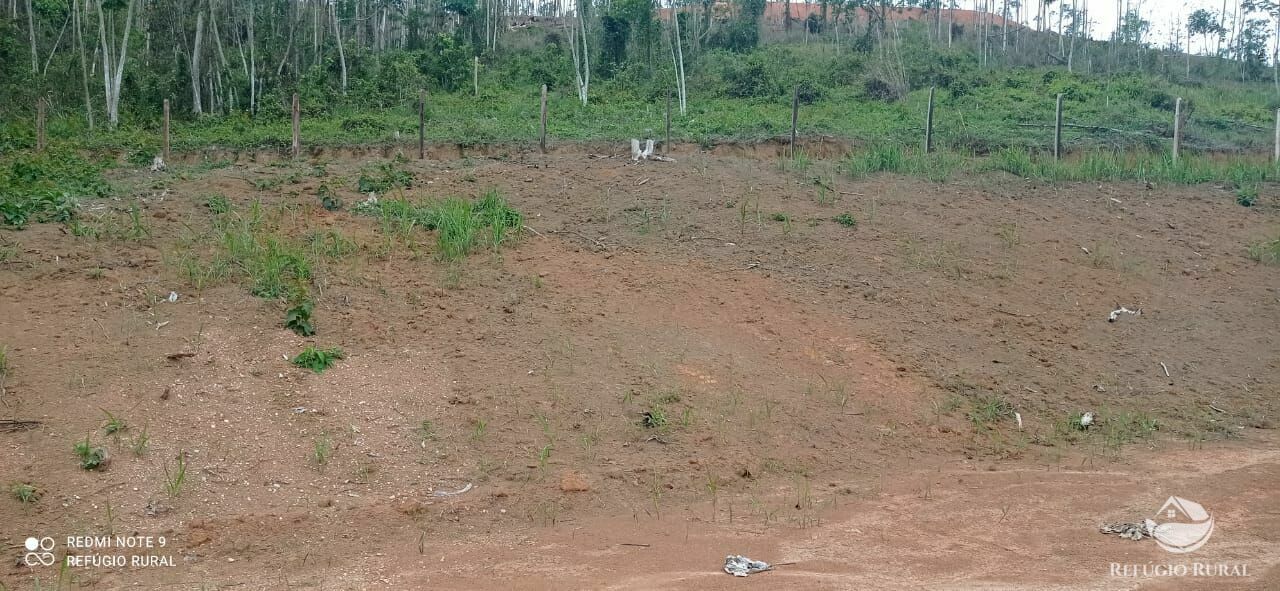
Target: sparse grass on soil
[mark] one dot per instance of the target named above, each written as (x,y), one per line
(317,359)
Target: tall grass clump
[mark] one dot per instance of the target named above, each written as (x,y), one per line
(460,225)
(273,263)
(1266,252)
(898,159)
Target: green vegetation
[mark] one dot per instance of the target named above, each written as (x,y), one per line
(177,476)
(251,247)
(654,418)
(114,425)
(322,450)
(380,178)
(298,319)
(317,360)
(217,203)
(846,220)
(427,430)
(328,198)
(1266,252)
(44,187)
(91,456)
(25,493)
(988,409)
(460,225)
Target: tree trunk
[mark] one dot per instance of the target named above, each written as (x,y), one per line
(253,61)
(342,53)
(196,106)
(111,80)
(31,29)
(84,66)
(675,17)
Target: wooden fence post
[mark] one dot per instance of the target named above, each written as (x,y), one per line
(542,128)
(795,115)
(928,123)
(422,124)
(666,145)
(40,125)
(165,140)
(297,122)
(475,75)
(1177,128)
(1057,129)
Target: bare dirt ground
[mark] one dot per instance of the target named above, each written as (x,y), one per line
(836,399)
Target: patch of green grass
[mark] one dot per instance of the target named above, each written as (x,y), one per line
(140,442)
(330,244)
(25,493)
(91,456)
(988,409)
(1266,252)
(114,425)
(460,225)
(43,187)
(272,263)
(322,450)
(1247,196)
(780,217)
(427,429)
(898,159)
(846,220)
(217,203)
(478,429)
(544,454)
(4,362)
(328,198)
(317,360)
(177,476)
(382,177)
(654,418)
(298,319)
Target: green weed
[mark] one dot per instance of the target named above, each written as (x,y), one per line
(217,203)
(298,319)
(177,476)
(91,456)
(989,408)
(317,360)
(25,493)
(846,220)
(114,425)
(382,177)
(1266,252)
(322,450)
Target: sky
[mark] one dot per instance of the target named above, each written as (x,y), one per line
(1165,15)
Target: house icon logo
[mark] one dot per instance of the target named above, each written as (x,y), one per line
(1182,526)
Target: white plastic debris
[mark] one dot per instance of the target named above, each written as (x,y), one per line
(173,297)
(638,154)
(157,164)
(1017,416)
(741,566)
(1086,420)
(1122,310)
(452,493)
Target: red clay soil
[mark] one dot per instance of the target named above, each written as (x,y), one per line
(835,399)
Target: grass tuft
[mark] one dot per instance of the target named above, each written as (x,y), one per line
(317,360)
